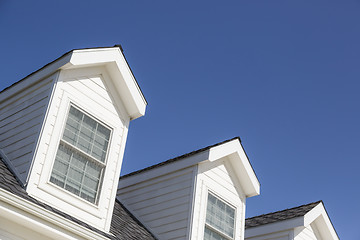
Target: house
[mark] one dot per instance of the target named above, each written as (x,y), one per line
(63,131)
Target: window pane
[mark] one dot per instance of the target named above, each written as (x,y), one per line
(87,134)
(220,216)
(76,174)
(211,235)
(73,170)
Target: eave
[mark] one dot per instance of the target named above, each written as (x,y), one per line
(230,150)
(316,217)
(47,223)
(111,58)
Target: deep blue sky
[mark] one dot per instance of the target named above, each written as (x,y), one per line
(282,75)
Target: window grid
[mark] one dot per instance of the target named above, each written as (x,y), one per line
(86,133)
(77,167)
(220,219)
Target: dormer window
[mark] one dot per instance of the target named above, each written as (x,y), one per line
(80,160)
(220,219)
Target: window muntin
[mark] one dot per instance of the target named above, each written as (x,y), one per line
(80,160)
(220,219)
(87,134)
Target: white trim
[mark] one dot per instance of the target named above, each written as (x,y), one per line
(193,198)
(43,220)
(222,199)
(274,227)
(39,186)
(35,77)
(111,58)
(46,112)
(115,63)
(232,151)
(316,216)
(319,217)
(244,171)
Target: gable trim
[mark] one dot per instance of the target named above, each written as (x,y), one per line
(231,149)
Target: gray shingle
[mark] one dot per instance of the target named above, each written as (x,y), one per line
(123,225)
(179,158)
(280,215)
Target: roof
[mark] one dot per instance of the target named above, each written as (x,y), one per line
(111,61)
(178,158)
(123,225)
(231,150)
(280,215)
(115,46)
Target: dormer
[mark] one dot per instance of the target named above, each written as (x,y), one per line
(64,128)
(200,195)
(309,221)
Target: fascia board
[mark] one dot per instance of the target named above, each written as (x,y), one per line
(111,58)
(123,79)
(36,76)
(38,218)
(165,169)
(320,218)
(274,227)
(241,163)
(233,150)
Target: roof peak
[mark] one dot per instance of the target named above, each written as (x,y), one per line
(281,215)
(179,157)
(287,209)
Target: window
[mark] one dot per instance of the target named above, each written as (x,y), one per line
(220,219)
(80,160)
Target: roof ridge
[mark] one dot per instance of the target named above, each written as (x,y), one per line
(179,157)
(287,209)
(49,63)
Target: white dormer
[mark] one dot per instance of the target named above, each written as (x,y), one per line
(66,131)
(309,221)
(179,198)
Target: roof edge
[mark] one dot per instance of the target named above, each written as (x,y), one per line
(116,63)
(284,210)
(177,158)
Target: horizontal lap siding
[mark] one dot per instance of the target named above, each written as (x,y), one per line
(94,93)
(163,203)
(91,96)
(215,177)
(283,235)
(21,118)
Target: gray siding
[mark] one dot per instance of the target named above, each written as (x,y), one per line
(163,204)
(21,118)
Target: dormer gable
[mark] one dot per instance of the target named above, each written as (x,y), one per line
(171,198)
(64,129)
(309,221)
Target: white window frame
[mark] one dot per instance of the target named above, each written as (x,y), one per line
(217,231)
(82,153)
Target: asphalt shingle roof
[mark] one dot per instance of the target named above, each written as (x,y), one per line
(123,225)
(280,215)
(178,158)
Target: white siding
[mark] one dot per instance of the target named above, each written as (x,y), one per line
(163,203)
(283,235)
(305,234)
(10,230)
(21,117)
(216,177)
(87,89)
